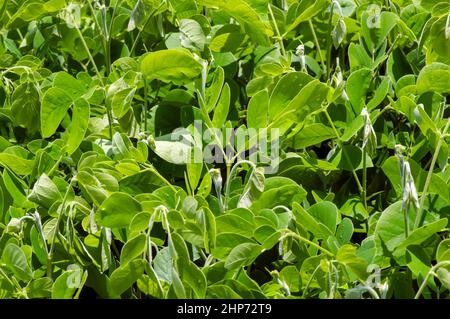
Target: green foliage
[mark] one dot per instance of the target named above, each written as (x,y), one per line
(103,110)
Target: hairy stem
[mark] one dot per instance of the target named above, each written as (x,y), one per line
(364,179)
(430,272)
(88,52)
(58,221)
(230,177)
(307,241)
(277,31)
(419,216)
(316,42)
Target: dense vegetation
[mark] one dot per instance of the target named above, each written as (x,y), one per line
(349,98)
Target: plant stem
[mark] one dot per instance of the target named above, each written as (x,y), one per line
(355,176)
(229,178)
(14,284)
(110,121)
(429,273)
(418,221)
(305,290)
(277,31)
(360,188)
(56,165)
(93,14)
(316,42)
(364,179)
(155,171)
(228,170)
(58,220)
(89,55)
(145,104)
(330,21)
(108,56)
(331,123)
(307,241)
(406,220)
(133,46)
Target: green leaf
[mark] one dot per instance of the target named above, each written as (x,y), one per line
(418,261)
(419,235)
(121,101)
(17,164)
(69,84)
(287,88)
(25,106)
(443,251)
(227,39)
(307,9)
(306,101)
(55,104)
(379,95)
(178,249)
(210,230)
(426,124)
(391,168)
(444,276)
(291,276)
(350,158)
(194,278)
(40,288)
(14,258)
(347,255)
(32,10)
(221,292)
(60,289)
(376,26)
(339,32)
(390,228)
(214,90)
(3,4)
(177,286)
(184,8)
(308,222)
(434,77)
(222,107)
(192,36)
(252,22)
(173,152)
(278,191)
(173,65)
(242,255)
(117,211)
(353,128)
(345,231)
(138,15)
(194,173)
(267,236)
(326,213)
(253,188)
(45,193)
(78,128)
(126,275)
(234,224)
(37,243)
(149,284)
(358,57)
(68,283)
(133,248)
(257,110)
(357,86)
(313,134)
(225,242)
